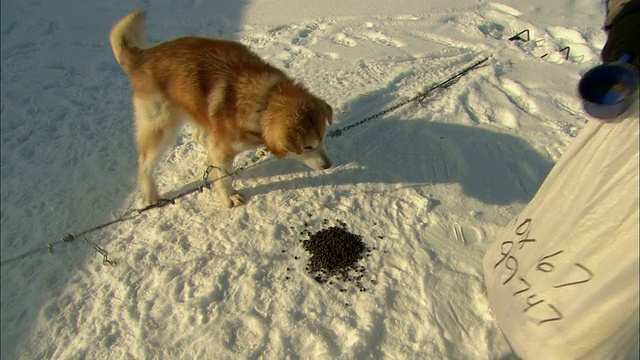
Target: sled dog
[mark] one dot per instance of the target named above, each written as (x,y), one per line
(236,100)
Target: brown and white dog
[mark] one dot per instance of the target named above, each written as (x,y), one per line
(238,100)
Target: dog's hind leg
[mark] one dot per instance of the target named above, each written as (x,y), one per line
(156,130)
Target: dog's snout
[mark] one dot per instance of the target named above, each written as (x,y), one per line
(317,159)
(318,163)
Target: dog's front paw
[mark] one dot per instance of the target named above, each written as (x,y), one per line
(232,200)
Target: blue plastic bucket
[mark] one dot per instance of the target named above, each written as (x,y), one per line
(608,90)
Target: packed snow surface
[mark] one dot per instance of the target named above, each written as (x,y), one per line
(427,186)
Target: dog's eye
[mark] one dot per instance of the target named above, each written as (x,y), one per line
(308,147)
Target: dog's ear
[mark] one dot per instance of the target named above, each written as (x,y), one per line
(318,116)
(285,141)
(294,141)
(328,111)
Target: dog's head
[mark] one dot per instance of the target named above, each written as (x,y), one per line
(296,128)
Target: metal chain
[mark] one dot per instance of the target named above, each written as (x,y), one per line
(132,214)
(419,98)
(257,159)
(338,132)
(101,251)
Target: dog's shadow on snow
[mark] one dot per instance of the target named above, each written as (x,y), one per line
(495,168)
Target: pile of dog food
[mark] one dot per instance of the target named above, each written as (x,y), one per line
(335,256)
(333,250)
(335,253)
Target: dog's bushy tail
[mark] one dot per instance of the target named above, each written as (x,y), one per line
(127,38)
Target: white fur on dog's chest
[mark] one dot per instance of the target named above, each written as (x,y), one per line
(241,146)
(250,141)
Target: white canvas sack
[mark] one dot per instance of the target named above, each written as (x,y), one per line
(562,278)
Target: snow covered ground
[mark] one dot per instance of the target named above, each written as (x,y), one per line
(428,185)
